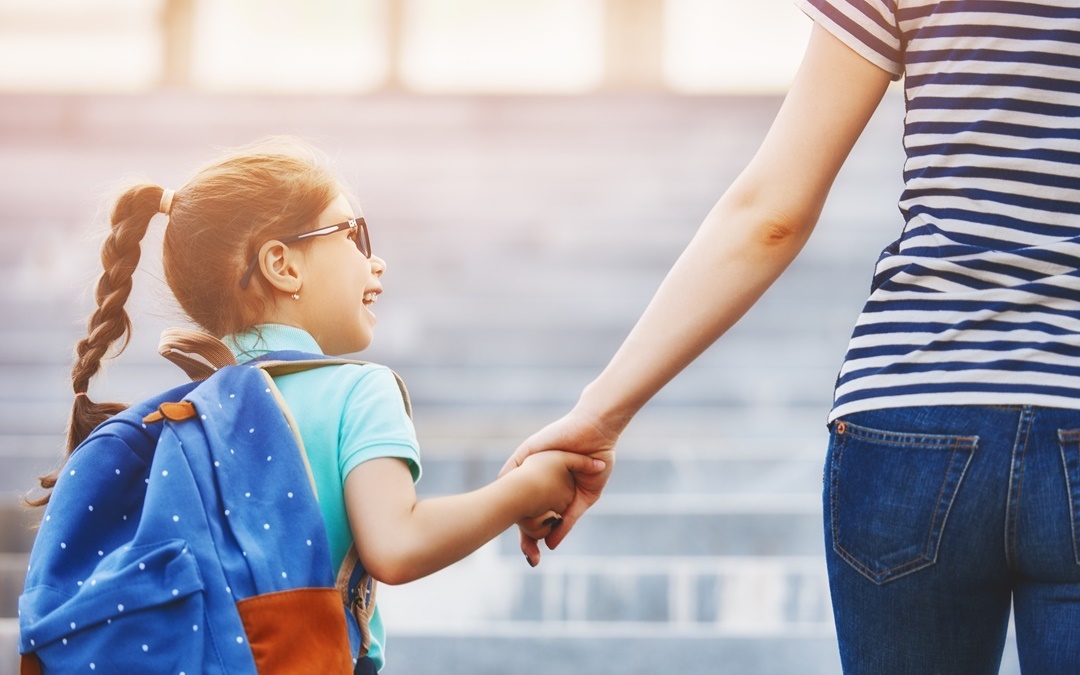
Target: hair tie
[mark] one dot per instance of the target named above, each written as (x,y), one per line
(80,393)
(166,201)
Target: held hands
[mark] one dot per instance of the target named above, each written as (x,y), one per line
(575,433)
(551,478)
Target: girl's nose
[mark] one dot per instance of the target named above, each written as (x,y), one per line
(378,265)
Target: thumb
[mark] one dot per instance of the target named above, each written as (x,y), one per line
(516,459)
(531,548)
(582,463)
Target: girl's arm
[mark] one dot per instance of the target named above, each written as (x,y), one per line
(401,539)
(747,240)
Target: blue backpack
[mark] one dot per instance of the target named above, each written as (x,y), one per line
(184,536)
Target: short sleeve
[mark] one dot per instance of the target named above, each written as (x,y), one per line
(374,423)
(869,27)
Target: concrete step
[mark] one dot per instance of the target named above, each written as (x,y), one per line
(16,537)
(12,579)
(696,593)
(540,650)
(671,448)
(660,482)
(469,391)
(17,527)
(9,646)
(643,652)
(762,527)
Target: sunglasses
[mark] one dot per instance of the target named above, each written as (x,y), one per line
(360,237)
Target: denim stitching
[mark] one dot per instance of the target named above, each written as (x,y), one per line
(910,440)
(834,478)
(936,531)
(1064,438)
(1016,478)
(937,506)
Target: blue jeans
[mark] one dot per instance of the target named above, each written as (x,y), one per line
(937,521)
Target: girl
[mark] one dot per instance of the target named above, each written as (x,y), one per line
(264,250)
(952,483)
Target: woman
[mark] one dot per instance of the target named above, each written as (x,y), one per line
(953,470)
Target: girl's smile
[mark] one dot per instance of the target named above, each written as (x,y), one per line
(339,285)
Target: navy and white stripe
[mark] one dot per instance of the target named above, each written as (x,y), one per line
(979,299)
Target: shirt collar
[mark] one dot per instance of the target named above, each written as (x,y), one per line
(270,337)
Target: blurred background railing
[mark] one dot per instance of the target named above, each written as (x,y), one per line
(530,171)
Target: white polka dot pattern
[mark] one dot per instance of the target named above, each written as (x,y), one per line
(137,578)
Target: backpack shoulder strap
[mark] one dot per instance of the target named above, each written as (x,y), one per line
(198,354)
(286,366)
(357,589)
(355,585)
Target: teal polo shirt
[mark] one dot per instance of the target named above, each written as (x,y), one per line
(346,415)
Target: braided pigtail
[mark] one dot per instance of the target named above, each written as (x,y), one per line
(109,324)
(217,222)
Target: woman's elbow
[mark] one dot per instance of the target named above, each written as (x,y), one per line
(781,230)
(770,217)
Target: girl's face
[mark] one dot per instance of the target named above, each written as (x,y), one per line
(340,285)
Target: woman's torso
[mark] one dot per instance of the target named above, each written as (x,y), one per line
(978,301)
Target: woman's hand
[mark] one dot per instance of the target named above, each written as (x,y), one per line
(575,432)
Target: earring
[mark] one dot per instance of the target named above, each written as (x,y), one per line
(295,296)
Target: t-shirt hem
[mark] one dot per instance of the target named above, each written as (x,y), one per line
(405,452)
(952,399)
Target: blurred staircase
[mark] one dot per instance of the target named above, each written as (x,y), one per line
(524,235)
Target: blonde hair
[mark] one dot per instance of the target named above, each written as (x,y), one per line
(217,222)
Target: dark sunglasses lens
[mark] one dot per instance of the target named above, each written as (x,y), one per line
(363,242)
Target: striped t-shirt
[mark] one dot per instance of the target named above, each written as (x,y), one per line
(978,302)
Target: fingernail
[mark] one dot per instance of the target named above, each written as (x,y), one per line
(551,521)
(529,560)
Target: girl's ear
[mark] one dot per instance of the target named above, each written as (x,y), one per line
(281,266)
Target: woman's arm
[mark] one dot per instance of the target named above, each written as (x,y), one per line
(752,233)
(401,539)
(747,240)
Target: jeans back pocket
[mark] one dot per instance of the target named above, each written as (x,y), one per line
(889,495)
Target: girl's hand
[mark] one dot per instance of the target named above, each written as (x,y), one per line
(552,477)
(577,433)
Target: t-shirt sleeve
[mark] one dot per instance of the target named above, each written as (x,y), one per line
(867,26)
(374,423)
